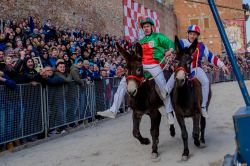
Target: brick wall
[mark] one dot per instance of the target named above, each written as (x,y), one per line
(104,16)
(210,36)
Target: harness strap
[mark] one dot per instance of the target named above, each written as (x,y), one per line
(139,79)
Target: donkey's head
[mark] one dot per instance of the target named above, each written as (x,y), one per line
(183,61)
(134,75)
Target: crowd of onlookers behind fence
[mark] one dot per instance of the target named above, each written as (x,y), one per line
(34,52)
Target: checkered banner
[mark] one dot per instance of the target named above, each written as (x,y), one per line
(133,13)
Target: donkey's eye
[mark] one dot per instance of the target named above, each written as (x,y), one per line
(138,70)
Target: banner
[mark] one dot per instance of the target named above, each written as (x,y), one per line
(133,13)
(235,30)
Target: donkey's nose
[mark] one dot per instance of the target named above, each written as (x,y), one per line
(132,93)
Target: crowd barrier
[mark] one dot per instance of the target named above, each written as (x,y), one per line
(30,110)
(69,103)
(21,112)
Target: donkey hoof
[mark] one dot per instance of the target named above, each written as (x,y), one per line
(145,141)
(154,155)
(202,145)
(197,143)
(184,158)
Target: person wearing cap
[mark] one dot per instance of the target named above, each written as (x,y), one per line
(196,65)
(155,46)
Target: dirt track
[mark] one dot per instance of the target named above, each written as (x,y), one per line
(111,143)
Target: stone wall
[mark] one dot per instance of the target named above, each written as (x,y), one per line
(186,10)
(105,16)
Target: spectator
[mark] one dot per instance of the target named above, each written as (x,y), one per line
(68,62)
(5,80)
(29,72)
(50,78)
(45,58)
(104,73)
(53,57)
(2,63)
(76,72)
(61,72)
(86,74)
(96,73)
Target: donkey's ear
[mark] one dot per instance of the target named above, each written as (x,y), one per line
(138,50)
(123,52)
(193,47)
(178,46)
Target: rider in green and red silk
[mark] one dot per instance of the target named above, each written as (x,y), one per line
(154,47)
(154,44)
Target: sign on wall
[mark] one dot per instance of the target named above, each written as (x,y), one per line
(133,13)
(235,30)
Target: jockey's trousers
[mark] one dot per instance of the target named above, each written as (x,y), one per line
(201,76)
(156,71)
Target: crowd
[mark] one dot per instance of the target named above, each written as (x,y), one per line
(32,53)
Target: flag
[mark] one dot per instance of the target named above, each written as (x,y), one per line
(133,13)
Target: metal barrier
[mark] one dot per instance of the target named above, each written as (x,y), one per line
(219,76)
(30,110)
(69,103)
(21,112)
(105,90)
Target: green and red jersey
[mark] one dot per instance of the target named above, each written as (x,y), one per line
(154,47)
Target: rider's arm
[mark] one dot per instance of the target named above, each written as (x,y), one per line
(212,58)
(165,42)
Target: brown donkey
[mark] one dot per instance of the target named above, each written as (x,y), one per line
(187,98)
(143,98)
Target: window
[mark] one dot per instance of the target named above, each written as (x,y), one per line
(206,23)
(194,21)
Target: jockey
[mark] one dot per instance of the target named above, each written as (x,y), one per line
(155,46)
(196,65)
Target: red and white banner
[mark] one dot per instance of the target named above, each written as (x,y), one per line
(133,13)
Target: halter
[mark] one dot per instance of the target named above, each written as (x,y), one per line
(139,79)
(188,74)
(183,69)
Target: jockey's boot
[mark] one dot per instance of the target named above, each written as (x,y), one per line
(204,112)
(170,118)
(107,113)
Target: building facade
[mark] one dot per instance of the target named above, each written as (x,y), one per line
(198,12)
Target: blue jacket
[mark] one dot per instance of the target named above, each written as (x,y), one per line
(96,76)
(9,83)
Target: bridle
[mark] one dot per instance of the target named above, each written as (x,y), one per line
(138,79)
(188,74)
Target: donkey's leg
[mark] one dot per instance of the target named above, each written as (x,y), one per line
(196,129)
(136,128)
(203,126)
(184,135)
(155,117)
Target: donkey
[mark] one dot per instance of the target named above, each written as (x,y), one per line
(143,98)
(187,97)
